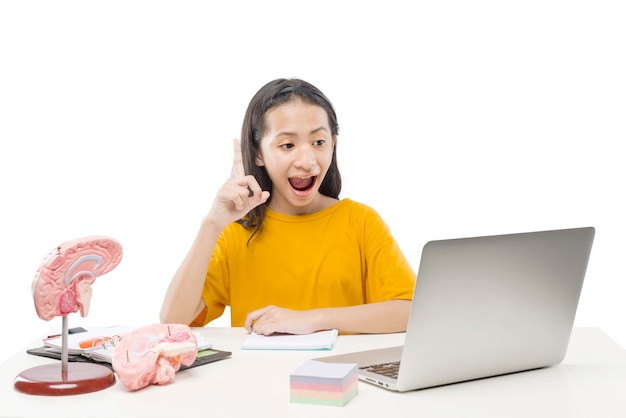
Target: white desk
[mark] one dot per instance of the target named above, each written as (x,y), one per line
(591,382)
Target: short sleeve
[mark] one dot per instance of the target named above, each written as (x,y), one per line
(389,274)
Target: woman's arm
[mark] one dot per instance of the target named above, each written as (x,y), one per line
(372,318)
(183,299)
(240,194)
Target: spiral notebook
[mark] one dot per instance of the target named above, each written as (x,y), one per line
(97,343)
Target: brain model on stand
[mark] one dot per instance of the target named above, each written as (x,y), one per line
(62,284)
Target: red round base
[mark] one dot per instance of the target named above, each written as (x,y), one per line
(51,380)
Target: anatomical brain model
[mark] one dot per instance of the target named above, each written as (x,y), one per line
(62,284)
(153,354)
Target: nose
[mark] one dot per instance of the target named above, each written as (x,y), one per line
(305,158)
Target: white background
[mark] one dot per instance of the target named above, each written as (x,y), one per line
(457,119)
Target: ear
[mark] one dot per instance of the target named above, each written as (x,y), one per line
(259,160)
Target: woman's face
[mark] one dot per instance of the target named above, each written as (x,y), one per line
(296,151)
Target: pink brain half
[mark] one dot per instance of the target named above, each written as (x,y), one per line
(62,283)
(153,354)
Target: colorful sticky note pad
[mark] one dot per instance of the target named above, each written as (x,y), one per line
(316,382)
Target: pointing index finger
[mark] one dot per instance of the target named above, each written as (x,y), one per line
(238,170)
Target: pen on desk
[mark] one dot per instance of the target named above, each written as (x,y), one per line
(92,342)
(74,330)
(100,341)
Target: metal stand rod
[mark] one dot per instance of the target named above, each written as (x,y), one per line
(64,350)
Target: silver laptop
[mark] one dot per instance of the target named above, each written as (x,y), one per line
(483,307)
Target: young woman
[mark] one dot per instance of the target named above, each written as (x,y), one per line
(278,245)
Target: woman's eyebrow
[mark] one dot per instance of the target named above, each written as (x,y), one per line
(314,131)
(321,128)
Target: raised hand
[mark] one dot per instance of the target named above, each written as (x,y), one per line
(238,196)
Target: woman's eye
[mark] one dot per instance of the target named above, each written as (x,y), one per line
(286,146)
(319,142)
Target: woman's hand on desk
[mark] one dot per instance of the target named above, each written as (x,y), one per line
(272,319)
(370,318)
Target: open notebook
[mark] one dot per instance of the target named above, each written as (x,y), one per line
(97,345)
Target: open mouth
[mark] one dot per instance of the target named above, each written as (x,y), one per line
(302,184)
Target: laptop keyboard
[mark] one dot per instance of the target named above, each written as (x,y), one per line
(385,369)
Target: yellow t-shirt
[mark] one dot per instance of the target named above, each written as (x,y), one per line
(343,255)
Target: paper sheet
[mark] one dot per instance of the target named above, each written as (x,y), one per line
(321,340)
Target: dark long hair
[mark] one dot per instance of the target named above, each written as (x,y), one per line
(270,96)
